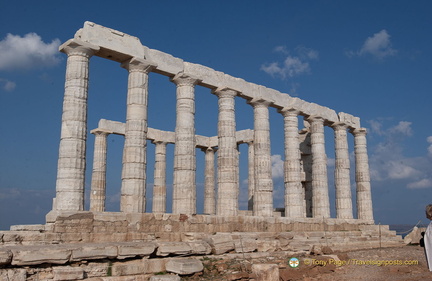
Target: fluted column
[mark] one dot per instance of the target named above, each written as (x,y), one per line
(228,188)
(134,153)
(159,185)
(98,182)
(184,185)
(320,197)
(342,173)
(251,174)
(209,182)
(72,159)
(364,197)
(263,196)
(306,167)
(294,197)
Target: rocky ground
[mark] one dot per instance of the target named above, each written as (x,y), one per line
(406,263)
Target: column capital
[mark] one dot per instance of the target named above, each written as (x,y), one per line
(138,64)
(159,142)
(224,92)
(183,79)
(359,132)
(259,102)
(98,131)
(339,126)
(289,111)
(315,118)
(77,47)
(205,149)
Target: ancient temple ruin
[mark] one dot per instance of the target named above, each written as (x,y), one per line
(305,164)
(157,237)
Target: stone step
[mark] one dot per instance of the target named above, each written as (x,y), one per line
(28,227)
(24,237)
(217,244)
(59,254)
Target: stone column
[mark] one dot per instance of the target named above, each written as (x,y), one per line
(251,174)
(320,197)
(134,153)
(159,185)
(228,188)
(184,185)
(98,183)
(306,166)
(342,173)
(263,196)
(294,197)
(364,197)
(72,161)
(209,183)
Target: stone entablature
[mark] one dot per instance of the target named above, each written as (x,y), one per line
(118,46)
(155,135)
(305,163)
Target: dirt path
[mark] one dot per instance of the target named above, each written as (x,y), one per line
(405,263)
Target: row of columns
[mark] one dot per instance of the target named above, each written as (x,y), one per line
(294,196)
(70,180)
(98,183)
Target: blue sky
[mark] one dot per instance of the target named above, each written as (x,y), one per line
(371,59)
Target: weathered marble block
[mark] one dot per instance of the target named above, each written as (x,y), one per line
(38,255)
(184,266)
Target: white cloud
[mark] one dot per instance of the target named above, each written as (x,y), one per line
(245,182)
(113,198)
(378,46)
(7,85)
(294,88)
(403,128)
(10,193)
(429,140)
(387,159)
(388,162)
(273,69)
(400,170)
(424,183)
(27,52)
(281,49)
(307,53)
(376,127)
(277,166)
(292,65)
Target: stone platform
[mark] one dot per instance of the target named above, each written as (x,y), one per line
(103,227)
(85,245)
